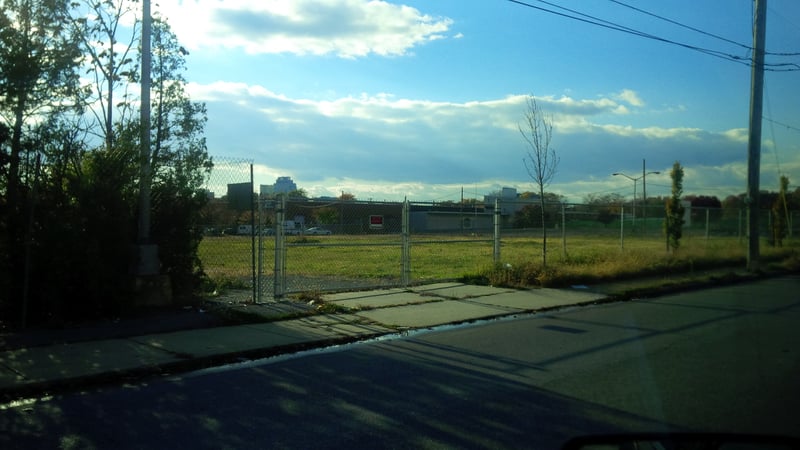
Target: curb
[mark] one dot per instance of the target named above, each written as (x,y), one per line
(190,363)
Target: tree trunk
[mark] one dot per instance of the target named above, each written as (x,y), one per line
(544,229)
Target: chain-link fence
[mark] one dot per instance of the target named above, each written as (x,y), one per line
(227,249)
(293,245)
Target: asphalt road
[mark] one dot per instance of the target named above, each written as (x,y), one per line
(724,359)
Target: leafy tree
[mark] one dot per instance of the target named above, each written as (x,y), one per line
(298,194)
(540,160)
(530,216)
(673,223)
(702,202)
(347,197)
(780,214)
(606,206)
(326,216)
(39,79)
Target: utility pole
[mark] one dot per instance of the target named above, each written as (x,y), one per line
(754,141)
(148,252)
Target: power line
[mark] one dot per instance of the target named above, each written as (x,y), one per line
(780,123)
(688,27)
(592,20)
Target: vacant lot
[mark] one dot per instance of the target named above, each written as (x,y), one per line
(228,259)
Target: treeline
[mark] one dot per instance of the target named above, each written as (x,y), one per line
(70,159)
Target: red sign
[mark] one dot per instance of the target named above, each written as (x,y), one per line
(376,222)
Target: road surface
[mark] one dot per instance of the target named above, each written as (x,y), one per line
(724,359)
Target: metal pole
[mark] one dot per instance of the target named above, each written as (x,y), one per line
(253,235)
(259,290)
(563,230)
(644,198)
(754,141)
(622,227)
(405,276)
(280,249)
(148,252)
(634,204)
(496,253)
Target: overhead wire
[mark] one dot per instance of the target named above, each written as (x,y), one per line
(781,123)
(587,18)
(706,33)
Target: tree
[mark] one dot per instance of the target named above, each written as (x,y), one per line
(111,66)
(605,206)
(347,197)
(540,160)
(704,202)
(673,223)
(298,194)
(39,79)
(780,214)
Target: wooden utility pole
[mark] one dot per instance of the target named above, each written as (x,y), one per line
(754,142)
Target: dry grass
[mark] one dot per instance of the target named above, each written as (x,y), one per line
(587,259)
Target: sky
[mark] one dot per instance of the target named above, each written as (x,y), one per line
(421,99)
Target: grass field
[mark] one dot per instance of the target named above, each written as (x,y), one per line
(227,259)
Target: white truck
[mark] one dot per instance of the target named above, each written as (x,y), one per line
(292,228)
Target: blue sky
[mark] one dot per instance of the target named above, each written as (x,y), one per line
(418,99)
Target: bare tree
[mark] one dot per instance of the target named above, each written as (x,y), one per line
(110,63)
(540,160)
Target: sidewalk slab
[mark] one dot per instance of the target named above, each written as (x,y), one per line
(242,338)
(341,324)
(67,361)
(341,296)
(382,300)
(436,313)
(533,299)
(460,290)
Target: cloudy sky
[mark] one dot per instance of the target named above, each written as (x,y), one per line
(388,99)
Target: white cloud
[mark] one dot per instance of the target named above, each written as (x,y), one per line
(737,135)
(383,147)
(630,97)
(346,28)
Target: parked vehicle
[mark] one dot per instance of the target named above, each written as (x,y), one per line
(292,228)
(315,231)
(244,229)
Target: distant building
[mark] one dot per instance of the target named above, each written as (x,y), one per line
(240,196)
(283,185)
(510,201)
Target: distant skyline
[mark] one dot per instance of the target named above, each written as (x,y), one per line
(418,99)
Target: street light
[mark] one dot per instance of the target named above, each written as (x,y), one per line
(616,174)
(635,179)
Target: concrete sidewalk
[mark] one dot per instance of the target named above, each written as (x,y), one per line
(365,315)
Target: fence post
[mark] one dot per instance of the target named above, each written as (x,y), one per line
(496,253)
(563,230)
(280,249)
(260,248)
(740,225)
(622,227)
(405,276)
(707,224)
(253,236)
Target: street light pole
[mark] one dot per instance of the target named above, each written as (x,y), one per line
(634,191)
(148,252)
(644,192)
